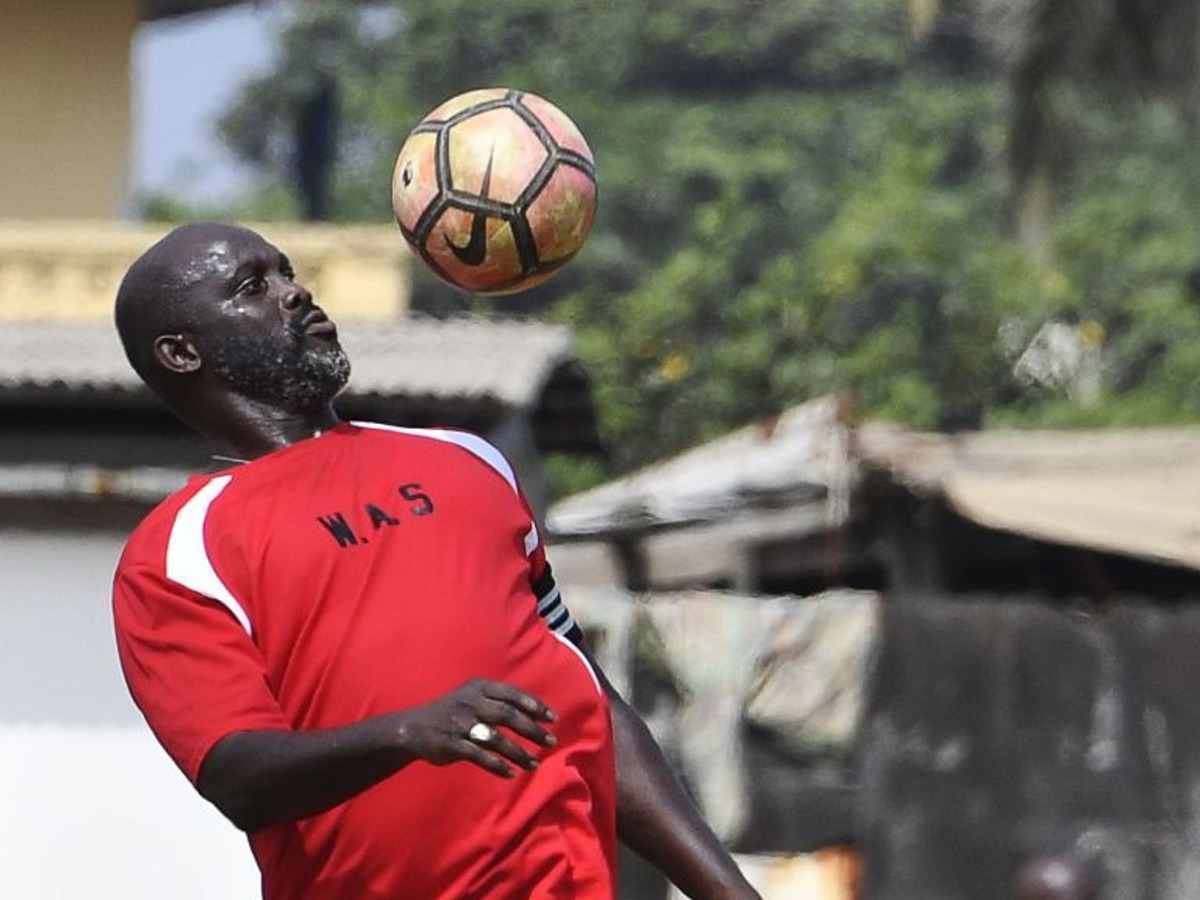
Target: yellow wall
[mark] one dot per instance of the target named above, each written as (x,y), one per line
(64,107)
(70,270)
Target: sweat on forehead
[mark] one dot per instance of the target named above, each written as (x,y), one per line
(193,253)
(186,256)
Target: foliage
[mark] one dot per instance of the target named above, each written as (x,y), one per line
(796,198)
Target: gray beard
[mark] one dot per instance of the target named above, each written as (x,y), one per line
(293,378)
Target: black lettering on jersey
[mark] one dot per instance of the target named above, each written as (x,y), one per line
(339,528)
(379,518)
(412,491)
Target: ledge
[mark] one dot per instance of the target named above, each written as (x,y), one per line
(71,270)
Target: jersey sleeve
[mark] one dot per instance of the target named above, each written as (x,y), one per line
(192,669)
(550,604)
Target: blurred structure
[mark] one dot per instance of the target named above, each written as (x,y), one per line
(1056,878)
(80,428)
(1011,749)
(813,500)
(69,270)
(72,156)
(67,97)
(757,700)
(763,509)
(944,735)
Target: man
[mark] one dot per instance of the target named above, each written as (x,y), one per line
(350,640)
(1057,876)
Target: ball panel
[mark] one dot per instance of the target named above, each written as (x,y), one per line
(524,284)
(562,214)
(462,101)
(498,138)
(500,263)
(414,181)
(565,132)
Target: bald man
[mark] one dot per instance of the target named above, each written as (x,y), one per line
(350,640)
(1064,876)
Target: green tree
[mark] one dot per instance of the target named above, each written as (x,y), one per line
(1063,56)
(804,197)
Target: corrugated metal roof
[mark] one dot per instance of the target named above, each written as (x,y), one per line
(506,361)
(147,484)
(1134,492)
(798,458)
(167,9)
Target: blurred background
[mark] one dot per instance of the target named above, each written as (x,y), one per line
(864,427)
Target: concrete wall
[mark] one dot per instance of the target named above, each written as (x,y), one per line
(91,803)
(64,107)
(1002,734)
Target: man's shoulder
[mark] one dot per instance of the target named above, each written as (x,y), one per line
(442,434)
(446,440)
(148,541)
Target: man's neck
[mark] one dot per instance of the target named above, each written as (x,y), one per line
(250,429)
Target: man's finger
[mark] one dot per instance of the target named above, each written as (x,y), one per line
(471,752)
(498,743)
(497,712)
(497,690)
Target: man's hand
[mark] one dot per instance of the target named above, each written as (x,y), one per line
(260,778)
(441,732)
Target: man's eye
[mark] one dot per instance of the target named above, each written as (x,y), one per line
(288,273)
(252,285)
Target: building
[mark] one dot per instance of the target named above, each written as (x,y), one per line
(1012,680)
(67,98)
(814,500)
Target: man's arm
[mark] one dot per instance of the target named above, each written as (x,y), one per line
(658,821)
(260,778)
(655,817)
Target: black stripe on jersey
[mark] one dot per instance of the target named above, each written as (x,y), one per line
(544,583)
(552,609)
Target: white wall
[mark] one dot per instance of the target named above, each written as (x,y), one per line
(90,804)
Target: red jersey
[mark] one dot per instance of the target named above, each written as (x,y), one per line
(356,573)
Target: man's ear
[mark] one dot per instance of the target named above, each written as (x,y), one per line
(176,353)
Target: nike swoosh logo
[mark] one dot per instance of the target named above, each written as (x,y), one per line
(475,249)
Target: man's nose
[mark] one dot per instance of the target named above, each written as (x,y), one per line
(296,297)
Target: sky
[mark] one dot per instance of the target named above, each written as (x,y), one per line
(184,72)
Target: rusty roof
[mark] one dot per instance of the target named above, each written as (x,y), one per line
(1134,492)
(798,459)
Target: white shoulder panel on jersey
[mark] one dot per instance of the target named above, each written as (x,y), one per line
(467,441)
(473,444)
(187,557)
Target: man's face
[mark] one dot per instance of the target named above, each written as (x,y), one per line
(256,328)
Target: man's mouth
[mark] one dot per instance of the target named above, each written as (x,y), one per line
(316,322)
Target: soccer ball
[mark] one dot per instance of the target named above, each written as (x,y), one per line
(495,190)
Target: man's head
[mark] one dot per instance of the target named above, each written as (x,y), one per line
(213,311)
(1056,877)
